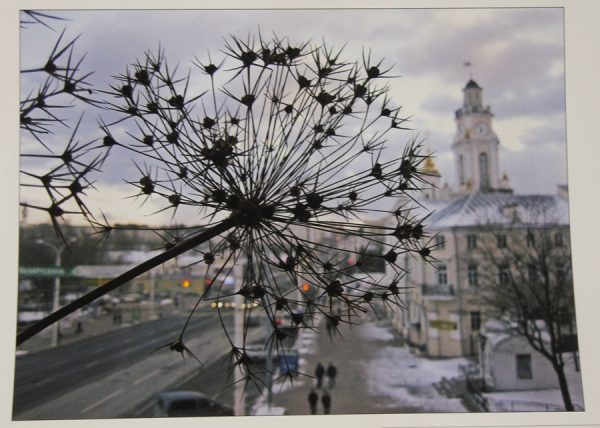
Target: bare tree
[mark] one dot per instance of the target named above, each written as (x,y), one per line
(285,137)
(526,280)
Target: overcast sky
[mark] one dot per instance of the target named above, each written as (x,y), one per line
(517,57)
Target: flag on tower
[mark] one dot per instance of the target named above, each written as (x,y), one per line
(468,64)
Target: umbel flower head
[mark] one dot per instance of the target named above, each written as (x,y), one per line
(284,155)
(54,168)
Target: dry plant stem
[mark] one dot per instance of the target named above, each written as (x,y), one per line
(125,277)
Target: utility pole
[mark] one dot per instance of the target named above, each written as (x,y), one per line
(56,295)
(239,402)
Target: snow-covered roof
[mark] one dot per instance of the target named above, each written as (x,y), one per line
(497,331)
(498,208)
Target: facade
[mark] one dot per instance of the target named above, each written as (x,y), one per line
(477,217)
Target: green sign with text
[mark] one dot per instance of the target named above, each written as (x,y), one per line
(45,271)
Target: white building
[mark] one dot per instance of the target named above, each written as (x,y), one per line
(509,363)
(478,210)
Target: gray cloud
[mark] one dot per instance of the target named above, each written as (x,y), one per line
(511,56)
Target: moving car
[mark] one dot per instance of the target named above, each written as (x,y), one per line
(189,403)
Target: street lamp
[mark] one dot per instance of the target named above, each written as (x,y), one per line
(56,297)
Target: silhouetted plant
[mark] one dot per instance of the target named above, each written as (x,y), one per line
(284,155)
(58,168)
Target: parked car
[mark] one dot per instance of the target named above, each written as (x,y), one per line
(189,403)
(31,312)
(256,319)
(258,352)
(132,298)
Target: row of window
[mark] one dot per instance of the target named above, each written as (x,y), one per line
(472,275)
(503,274)
(501,239)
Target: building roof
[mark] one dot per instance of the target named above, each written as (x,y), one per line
(101,271)
(498,208)
(472,84)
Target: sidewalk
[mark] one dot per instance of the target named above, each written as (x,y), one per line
(376,374)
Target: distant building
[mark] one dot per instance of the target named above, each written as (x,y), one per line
(441,316)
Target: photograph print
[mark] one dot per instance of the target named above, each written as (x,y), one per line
(293,212)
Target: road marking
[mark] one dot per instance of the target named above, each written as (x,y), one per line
(92,363)
(104,400)
(45,380)
(146,377)
(144,409)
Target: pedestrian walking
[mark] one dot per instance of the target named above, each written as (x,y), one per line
(331,375)
(313,399)
(326,401)
(319,372)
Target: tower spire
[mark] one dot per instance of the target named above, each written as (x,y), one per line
(468,64)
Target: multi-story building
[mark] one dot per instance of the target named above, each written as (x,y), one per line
(472,220)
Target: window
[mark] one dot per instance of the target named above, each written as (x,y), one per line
(484,172)
(461,168)
(530,240)
(471,242)
(440,242)
(501,241)
(442,273)
(475,320)
(524,366)
(558,239)
(472,275)
(503,274)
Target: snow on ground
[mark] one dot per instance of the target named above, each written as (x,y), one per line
(396,373)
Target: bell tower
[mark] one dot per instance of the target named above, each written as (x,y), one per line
(475,145)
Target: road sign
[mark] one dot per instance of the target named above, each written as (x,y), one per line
(45,271)
(288,362)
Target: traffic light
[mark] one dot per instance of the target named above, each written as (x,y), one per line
(306,287)
(186,283)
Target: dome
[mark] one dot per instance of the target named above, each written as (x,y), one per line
(429,167)
(472,84)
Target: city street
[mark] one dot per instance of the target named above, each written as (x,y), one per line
(89,378)
(115,374)
(376,374)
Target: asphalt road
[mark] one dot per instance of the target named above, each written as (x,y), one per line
(215,381)
(63,382)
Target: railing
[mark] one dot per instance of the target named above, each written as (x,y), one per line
(437,290)
(475,385)
(499,405)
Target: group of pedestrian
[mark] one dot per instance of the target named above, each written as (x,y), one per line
(331,373)
(313,396)
(313,400)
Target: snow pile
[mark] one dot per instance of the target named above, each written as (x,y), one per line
(406,379)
